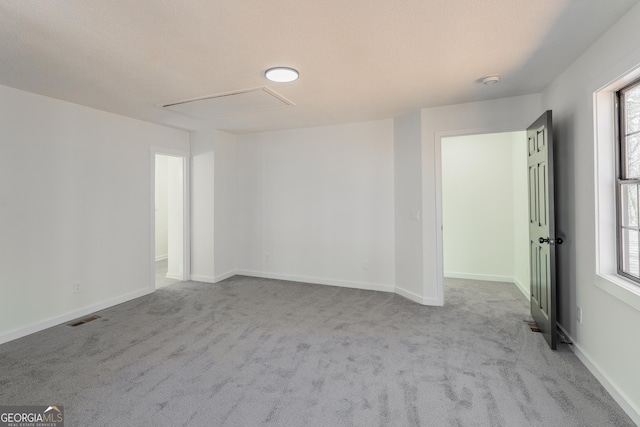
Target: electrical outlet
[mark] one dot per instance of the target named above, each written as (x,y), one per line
(579,314)
(365,264)
(267,257)
(76,288)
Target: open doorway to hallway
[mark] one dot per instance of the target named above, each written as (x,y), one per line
(485,208)
(170,214)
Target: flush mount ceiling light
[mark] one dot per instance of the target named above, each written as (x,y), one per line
(281,74)
(490,80)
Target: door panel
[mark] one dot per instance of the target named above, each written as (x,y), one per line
(535,282)
(533,194)
(532,145)
(542,239)
(541,140)
(542,195)
(544,282)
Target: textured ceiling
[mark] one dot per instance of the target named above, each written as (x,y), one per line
(358,59)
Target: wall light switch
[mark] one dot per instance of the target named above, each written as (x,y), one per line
(415,215)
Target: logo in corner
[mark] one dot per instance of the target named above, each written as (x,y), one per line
(32,416)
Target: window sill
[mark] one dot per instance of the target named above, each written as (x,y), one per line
(621,288)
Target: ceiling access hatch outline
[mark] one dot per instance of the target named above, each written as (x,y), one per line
(229,103)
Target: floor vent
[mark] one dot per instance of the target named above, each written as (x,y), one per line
(533,326)
(83,321)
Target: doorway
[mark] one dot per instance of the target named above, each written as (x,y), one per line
(170,214)
(485,208)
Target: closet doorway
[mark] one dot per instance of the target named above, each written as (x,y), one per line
(170,231)
(485,208)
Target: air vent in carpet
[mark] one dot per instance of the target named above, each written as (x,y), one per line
(533,326)
(226,104)
(83,321)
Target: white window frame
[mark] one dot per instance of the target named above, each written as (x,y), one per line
(623,177)
(605,141)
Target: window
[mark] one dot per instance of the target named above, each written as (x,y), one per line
(628,189)
(609,277)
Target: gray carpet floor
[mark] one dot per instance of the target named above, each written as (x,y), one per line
(248,352)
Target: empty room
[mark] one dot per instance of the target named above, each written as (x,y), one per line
(290,213)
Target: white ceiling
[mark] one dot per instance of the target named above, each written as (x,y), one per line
(358,59)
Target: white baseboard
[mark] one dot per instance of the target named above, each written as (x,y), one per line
(202,278)
(483,277)
(213,279)
(342,283)
(525,290)
(57,320)
(621,399)
(54,321)
(223,276)
(318,280)
(161,257)
(173,276)
(417,298)
(489,278)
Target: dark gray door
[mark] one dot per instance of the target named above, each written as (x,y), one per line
(542,240)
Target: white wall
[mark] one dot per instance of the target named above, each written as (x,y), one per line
(226,210)
(213,187)
(481,182)
(202,196)
(175,217)
(407,147)
(520,178)
(74,201)
(607,340)
(161,208)
(315,204)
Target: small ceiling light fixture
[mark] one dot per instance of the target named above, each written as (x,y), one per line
(281,74)
(490,80)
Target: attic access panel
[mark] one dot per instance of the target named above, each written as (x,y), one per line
(230,103)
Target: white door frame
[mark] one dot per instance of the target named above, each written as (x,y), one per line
(186,206)
(439,135)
